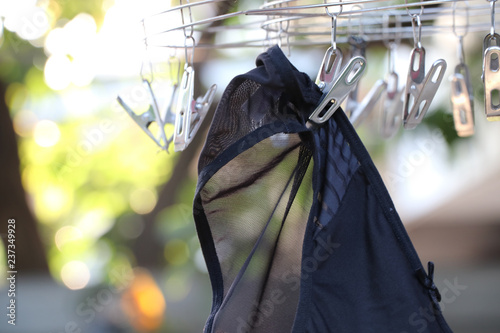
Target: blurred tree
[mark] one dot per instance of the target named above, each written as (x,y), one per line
(30,252)
(18,56)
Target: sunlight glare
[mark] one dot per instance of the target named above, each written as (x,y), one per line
(96,223)
(46,133)
(57,72)
(81,35)
(54,202)
(24,18)
(75,275)
(66,235)
(55,43)
(82,72)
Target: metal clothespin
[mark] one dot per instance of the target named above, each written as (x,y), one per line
(340,88)
(359,111)
(152,115)
(420,88)
(491,70)
(392,104)
(368,103)
(461,100)
(335,86)
(190,112)
(461,88)
(358,48)
(391,101)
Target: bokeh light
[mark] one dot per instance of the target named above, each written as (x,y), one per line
(55,42)
(142,200)
(54,202)
(96,223)
(82,72)
(58,72)
(80,35)
(65,235)
(46,133)
(143,302)
(24,122)
(71,51)
(25,18)
(75,275)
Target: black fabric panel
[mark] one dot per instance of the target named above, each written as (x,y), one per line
(366,284)
(360,272)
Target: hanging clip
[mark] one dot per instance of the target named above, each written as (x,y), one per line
(461,88)
(461,100)
(358,48)
(340,88)
(368,103)
(491,78)
(356,111)
(190,112)
(420,88)
(491,70)
(335,86)
(392,104)
(152,115)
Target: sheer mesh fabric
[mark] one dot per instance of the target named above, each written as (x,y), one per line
(256,206)
(256,215)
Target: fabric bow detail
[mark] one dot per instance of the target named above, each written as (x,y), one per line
(428,281)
